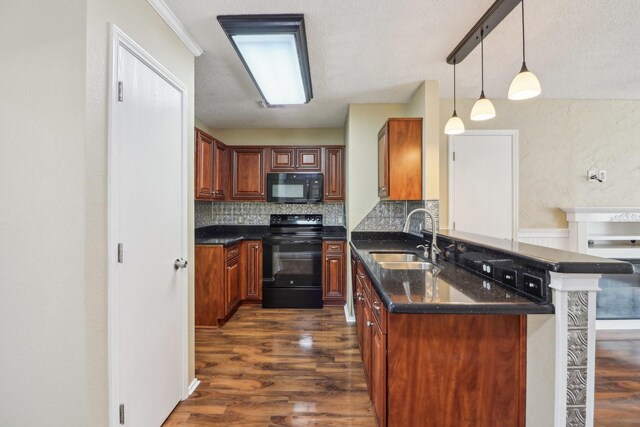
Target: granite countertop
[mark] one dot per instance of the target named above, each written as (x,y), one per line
(453,290)
(226,235)
(550,259)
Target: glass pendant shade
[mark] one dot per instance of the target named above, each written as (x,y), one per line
(525,85)
(454,125)
(483,109)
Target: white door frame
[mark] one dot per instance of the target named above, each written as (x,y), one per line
(515,181)
(120,39)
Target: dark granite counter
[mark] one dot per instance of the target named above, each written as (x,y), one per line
(546,258)
(226,235)
(453,290)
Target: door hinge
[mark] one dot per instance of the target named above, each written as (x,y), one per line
(122,414)
(454,156)
(454,225)
(120,92)
(120,253)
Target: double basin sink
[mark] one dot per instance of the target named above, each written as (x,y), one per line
(402,261)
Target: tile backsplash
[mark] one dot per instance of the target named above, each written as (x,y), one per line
(391,216)
(253,213)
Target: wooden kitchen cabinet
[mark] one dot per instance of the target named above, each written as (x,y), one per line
(292,159)
(441,370)
(253,270)
(210,167)
(217,284)
(248,173)
(334,175)
(334,271)
(400,159)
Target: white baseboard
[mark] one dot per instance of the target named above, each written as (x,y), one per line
(193,386)
(350,319)
(607,325)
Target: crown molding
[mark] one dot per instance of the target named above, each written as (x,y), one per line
(174,23)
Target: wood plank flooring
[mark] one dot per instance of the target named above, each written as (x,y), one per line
(269,367)
(617,379)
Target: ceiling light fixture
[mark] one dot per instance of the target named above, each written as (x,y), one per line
(454,125)
(483,109)
(525,85)
(273,49)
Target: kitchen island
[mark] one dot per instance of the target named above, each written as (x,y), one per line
(457,346)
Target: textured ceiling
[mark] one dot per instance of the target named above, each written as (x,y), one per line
(379,51)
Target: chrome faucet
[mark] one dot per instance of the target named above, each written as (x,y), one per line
(434,244)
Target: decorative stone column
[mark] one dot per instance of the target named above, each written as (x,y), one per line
(574,297)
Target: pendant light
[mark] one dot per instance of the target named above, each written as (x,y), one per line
(525,85)
(454,125)
(483,108)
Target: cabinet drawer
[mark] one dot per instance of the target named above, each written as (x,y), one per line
(364,278)
(334,247)
(379,311)
(233,252)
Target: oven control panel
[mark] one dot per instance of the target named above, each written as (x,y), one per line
(297,219)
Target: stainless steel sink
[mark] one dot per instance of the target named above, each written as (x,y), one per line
(411,265)
(402,257)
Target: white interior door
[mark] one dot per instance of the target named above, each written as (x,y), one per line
(483,183)
(147,190)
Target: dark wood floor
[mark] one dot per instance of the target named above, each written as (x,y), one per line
(302,367)
(617,379)
(278,368)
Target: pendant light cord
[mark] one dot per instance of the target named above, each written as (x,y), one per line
(523,57)
(482,57)
(454,85)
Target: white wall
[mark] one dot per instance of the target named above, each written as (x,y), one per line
(559,141)
(42,214)
(310,136)
(53,228)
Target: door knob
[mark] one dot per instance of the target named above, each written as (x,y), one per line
(180,263)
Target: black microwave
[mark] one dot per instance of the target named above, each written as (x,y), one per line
(294,187)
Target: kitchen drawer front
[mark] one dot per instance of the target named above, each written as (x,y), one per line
(233,252)
(379,311)
(365,279)
(335,247)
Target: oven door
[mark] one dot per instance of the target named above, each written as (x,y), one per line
(292,262)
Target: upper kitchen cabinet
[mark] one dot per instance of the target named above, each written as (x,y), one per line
(334,177)
(400,160)
(210,167)
(248,173)
(290,159)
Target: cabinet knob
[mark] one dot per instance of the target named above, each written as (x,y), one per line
(370,324)
(376,305)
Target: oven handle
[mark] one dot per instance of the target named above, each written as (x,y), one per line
(272,240)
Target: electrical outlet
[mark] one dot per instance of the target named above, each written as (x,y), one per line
(602,175)
(592,175)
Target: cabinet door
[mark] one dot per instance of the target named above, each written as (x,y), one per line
(308,159)
(378,382)
(232,284)
(254,270)
(283,159)
(219,170)
(248,174)
(383,162)
(334,174)
(333,274)
(209,292)
(359,309)
(204,165)
(366,343)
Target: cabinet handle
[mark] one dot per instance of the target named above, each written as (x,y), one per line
(370,324)
(376,305)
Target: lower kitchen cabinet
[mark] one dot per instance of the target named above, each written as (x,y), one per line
(443,370)
(334,271)
(252,252)
(217,283)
